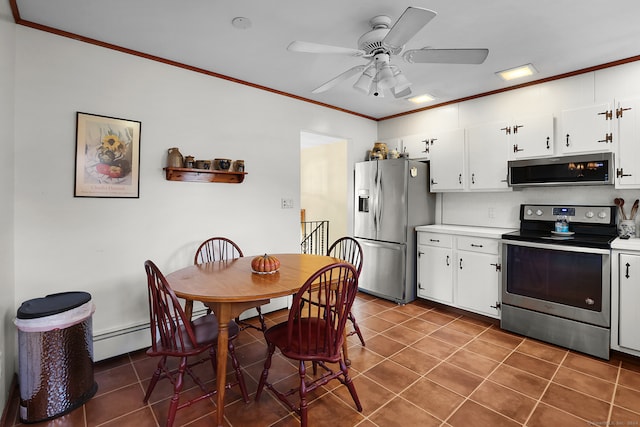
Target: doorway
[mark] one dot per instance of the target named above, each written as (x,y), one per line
(324,181)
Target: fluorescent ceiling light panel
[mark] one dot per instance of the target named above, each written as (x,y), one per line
(421,99)
(517,72)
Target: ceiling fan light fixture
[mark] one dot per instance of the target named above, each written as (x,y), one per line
(402,83)
(363,84)
(385,77)
(517,72)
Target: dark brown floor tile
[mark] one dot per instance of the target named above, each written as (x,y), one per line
(383,345)
(473,362)
(403,334)
(420,325)
(488,350)
(394,316)
(576,403)
(140,418)
(627,398)
(111,405)
(588,365)
(113,362)
(532,365)
(623,417)
(435,347)
(507,402)
(542,351)
(363,359)
(376,324)
(545,416)
(466,327)
(520,381)
(329,409)
(454,378)
(583,383)
(187,414)
(266,411)
(472,414)
(437,318)
(389,415)
(631,365)
(433,398)
(452,336)
(412,309)
(117,377)
(629,379)
(415,360)
(392,376)
(501,338)
(371,395)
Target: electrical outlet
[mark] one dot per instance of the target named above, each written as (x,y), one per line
(287,203)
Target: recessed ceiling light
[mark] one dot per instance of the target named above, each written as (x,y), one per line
(517,72)
(421,99)
(241,23)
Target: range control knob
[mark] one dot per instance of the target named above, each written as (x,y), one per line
(602,214)
(539,212)
(589,214)
(529,212)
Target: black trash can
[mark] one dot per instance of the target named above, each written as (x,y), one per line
(55,342)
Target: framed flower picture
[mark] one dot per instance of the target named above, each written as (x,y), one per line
(107,157)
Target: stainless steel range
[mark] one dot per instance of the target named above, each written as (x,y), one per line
(556,285)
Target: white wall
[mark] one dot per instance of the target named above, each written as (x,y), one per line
(7,286)
(472,208)
(99,245)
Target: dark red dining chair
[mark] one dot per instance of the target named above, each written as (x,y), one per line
(315,334)
(219,249)
(173,335)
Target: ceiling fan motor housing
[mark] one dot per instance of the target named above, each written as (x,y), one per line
(371,41)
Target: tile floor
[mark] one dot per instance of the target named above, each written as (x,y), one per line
(422,366)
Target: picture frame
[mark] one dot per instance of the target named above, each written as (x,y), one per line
(107,160)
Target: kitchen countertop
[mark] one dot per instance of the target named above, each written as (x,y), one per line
(466,230)
(628,244)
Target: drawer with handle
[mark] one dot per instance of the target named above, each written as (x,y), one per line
(435,239)
(478,244)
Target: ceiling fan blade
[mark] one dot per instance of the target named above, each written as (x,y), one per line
(339,78)
(407,26)
(308,47)
(446,56)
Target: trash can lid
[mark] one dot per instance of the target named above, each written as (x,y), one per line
(52,304)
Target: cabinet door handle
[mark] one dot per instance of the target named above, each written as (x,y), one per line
(507,130)
(460,263)
(620,173)
(473,178)
(548,143)
(516,149)
(435,240)
(619,112)
(608,115)
(627,272)
(426,145)
(460,178)
(475,245)
(448,263)
(567,143)
(433,182)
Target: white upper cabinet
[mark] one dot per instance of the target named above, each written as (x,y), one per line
(587,129)
(447,160)
(487,146)
(627,127)
(531,137)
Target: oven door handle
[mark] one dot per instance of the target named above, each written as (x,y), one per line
(555,247)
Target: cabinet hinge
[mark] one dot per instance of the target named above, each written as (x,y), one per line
(497,266)
(507,130)
(619,112)
(620,173)
(608,115)
(608,137)
(516,127)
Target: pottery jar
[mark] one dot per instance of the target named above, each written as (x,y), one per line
(174,158)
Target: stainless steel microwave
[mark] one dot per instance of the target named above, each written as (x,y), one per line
(585,169)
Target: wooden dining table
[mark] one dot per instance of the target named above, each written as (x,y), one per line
(230,288)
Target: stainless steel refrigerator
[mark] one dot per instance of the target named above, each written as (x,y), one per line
(391,198)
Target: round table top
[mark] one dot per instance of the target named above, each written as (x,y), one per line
(233,280)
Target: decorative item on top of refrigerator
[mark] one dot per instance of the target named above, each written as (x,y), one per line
(391,198)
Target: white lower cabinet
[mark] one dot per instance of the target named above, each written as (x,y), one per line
(460,271)
(625,316)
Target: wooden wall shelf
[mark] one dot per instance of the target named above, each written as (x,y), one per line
(204,175)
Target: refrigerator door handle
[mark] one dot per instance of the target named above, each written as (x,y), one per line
(376,198)
(380,203)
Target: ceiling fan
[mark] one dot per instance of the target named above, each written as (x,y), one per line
(381,43)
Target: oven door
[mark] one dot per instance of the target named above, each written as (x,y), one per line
(564,281)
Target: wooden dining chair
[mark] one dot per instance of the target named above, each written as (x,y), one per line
(315,334)
(173,335)
(220,249)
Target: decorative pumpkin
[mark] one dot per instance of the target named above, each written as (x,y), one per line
(265,264)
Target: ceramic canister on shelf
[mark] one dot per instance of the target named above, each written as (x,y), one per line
(238,166)
(174,158)
(189,162)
